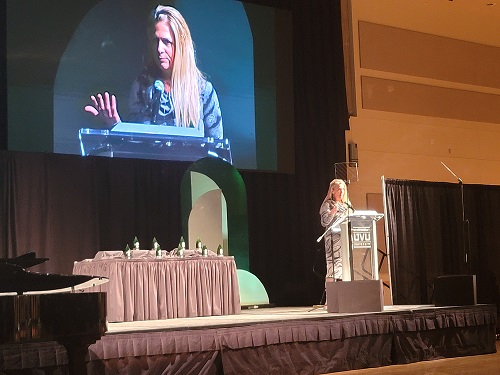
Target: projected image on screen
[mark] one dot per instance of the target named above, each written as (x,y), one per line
(127,78)
(168,89)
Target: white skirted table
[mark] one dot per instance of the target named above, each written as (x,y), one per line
(147,288)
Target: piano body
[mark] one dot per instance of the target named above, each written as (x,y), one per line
(37,307)
(142,141)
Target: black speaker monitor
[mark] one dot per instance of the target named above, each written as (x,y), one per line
(455,290)
(355,296)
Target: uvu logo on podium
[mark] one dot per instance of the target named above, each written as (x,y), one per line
(361,237)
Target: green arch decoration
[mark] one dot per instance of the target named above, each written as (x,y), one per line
(229,181)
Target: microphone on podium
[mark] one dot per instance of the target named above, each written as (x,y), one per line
(155,103)
(349,206)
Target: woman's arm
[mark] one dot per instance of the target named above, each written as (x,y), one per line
(212,114)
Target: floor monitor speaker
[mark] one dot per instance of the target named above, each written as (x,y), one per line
(455,290)
(355,296)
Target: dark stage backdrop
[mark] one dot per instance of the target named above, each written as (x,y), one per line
(66,207)
(426,239)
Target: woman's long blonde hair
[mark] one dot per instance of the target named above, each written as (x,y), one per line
(185,74)
(337,182)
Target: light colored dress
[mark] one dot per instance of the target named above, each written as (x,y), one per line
(332,239)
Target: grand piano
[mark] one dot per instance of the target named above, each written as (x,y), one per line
(37,307)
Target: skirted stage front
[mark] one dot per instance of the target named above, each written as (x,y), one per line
(294,341)
(284,341)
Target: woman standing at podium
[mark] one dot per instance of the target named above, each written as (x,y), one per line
(335,205)
(170,90)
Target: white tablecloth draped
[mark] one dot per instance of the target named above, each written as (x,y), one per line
(149,289)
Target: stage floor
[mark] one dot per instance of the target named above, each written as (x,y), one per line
(249,316)
(294,340)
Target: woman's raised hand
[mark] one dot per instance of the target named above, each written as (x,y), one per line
(104,106)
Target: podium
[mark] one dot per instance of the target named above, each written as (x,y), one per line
(142,141)
(358,236)
(360,290)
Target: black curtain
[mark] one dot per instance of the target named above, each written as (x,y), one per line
(66,207)
(428,237)
(284,208)
(3,76)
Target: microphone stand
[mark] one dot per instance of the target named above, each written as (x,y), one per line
(349,232)
(465,222)
(334,224)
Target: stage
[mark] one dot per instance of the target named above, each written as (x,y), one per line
(299,340)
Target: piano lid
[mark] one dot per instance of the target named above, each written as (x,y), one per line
(26,260)
(15,279)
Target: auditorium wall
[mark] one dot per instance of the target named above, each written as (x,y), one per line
(426,91)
